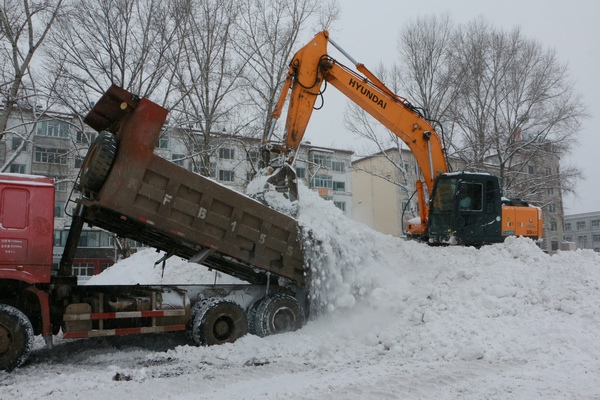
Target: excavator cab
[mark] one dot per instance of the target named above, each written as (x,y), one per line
(465,208)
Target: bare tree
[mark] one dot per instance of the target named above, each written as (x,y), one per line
(269,31)
(24,26)
(426,70)
(516,107)
(98,42)
(208,76)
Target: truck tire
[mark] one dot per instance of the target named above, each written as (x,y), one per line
(218,322)
(98,161)
(16,337)
(251,314)
(278,314)
(189,327)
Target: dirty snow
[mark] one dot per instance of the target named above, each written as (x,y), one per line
(398,320)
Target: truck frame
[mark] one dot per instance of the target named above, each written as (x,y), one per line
(128,190)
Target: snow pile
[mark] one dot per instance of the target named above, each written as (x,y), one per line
(141,268)
(399,320)
(348,260)
(490,304)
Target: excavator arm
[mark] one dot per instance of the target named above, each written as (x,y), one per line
(311,68)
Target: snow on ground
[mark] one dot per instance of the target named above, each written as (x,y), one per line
(398,320)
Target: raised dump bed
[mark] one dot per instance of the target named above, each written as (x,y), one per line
(130,191)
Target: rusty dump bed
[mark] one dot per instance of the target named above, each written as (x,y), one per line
(149,199)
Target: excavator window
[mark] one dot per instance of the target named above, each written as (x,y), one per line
(491,196)
(443,201)
(470,196)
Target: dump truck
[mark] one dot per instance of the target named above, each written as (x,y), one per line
(127,189)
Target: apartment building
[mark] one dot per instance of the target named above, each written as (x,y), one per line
(583,230)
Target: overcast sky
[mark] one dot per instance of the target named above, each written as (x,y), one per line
(368,30)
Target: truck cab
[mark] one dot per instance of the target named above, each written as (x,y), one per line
(26,227)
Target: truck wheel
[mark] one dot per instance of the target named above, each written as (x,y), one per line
(98,161)
(251,314)
(189,327)
(278,314)
(16,337)
(218,322)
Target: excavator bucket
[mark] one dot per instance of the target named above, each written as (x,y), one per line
(284,181)
(278,189)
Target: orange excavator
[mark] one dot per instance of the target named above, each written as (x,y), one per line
(463,208)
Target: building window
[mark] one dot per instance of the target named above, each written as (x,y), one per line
(87,239)
(569,238)
(83,269)
(595,223)
(53,129)
(567,226)
(59,209)
(404,205)
(596,238)
(250,175)
(553,226)
(17,168)
(341,205)
(339,186)
(178,159)
(212,171)
(136,244)
(90,239)
(226,153)
(105,265)
(554,245)
(324,160)
(322,181)
(580,225)
(163,141)
(531,169)
(106,239)
(50,155)
(60,186)
(301,172)
(60,238)
(16,143)
(85,137)
(226,176)
(551,208)
(550,191)
(338,166)
(252,156)
(548,171)
(78,161)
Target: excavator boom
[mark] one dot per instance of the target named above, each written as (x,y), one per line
(312,68)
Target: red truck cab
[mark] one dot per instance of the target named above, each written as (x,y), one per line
(26,227)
